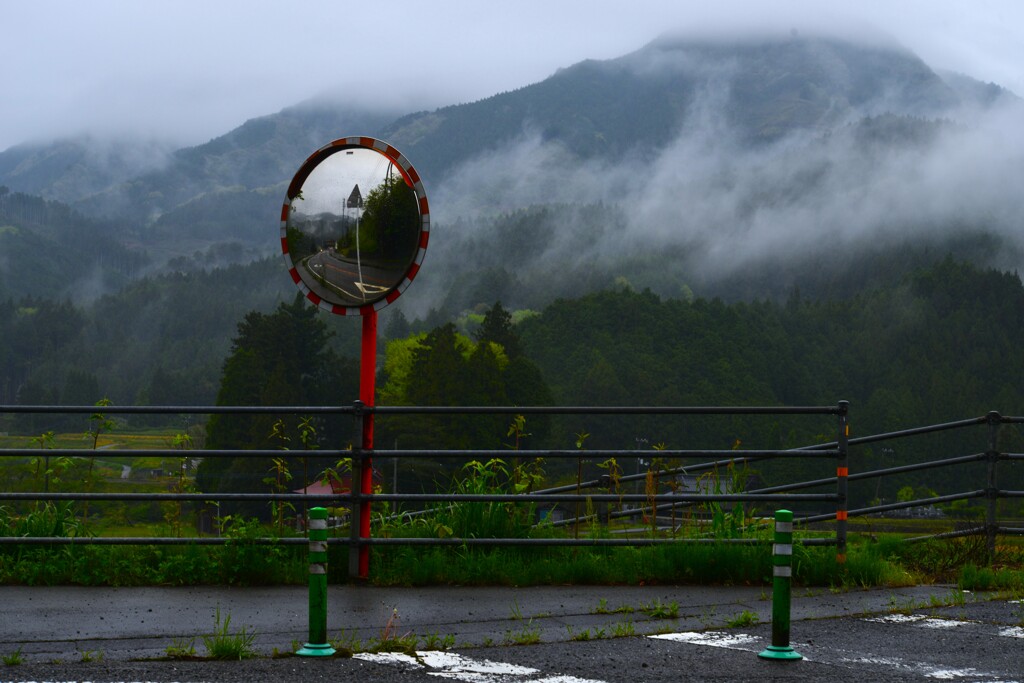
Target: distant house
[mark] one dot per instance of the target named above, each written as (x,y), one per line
(549,512)
(327,486)
(332,484)
(704,484)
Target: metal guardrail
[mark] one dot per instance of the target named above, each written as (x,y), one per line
(359,501)
(991,494)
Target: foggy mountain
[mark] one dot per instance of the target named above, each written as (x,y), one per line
(636,104)
(737,167)
(190,198)
(76,168)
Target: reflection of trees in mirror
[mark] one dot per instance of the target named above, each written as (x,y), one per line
(358,255)
(392,217)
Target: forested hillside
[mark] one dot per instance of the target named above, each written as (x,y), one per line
(940,346)
(160,341)
(49,250)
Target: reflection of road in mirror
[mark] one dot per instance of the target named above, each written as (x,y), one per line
(332,275)
(353,227)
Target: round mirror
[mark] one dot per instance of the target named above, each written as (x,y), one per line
(354,225)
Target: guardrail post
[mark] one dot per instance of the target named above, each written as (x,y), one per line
(842,480)
(992,486)
(355,491)
(782,577)
(317,645)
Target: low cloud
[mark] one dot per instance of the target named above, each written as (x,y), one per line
(730,206)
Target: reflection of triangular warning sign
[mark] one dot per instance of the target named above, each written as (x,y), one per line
(355,200)
(370,289)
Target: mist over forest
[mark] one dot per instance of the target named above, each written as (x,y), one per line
(776,179)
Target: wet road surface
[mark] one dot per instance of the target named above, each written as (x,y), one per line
(505,635)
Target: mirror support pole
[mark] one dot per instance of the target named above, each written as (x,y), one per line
(367,387)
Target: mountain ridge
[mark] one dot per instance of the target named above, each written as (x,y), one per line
(699,114)
(584,89)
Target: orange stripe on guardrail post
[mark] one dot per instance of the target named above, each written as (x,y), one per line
(842,480)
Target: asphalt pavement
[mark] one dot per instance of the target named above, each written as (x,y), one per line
(559,634)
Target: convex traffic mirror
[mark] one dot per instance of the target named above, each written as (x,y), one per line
(354,225)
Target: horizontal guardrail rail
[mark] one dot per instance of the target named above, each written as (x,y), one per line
(595,492)
(582,493)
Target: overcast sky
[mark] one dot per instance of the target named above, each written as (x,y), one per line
(191,70)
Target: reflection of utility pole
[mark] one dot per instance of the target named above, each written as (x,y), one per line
(355,201)
(641,443)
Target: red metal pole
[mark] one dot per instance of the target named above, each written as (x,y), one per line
(367,385)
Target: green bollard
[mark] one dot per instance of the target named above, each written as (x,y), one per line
(782,577)
(317,645)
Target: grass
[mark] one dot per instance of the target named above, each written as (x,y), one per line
(404,643)
(391,640)
(222,644)
(602,608)
(13,659)
(955,597)
(707,615)
(973,577)
(623,629)
(348,642)
(690,564)
(181,649)
(743,619)
(241,562)
(528,635)
(655,609)
(433,641)
(149,439)
(586,634)
(887,562)
(659,610)
(896,606)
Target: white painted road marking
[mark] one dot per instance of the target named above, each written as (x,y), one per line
(898,618)
(460,668)
(731,641)
(935,622)
(939,671)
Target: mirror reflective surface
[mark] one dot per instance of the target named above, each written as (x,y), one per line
(353,227)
